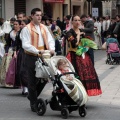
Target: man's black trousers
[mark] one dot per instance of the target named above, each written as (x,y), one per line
(35,86)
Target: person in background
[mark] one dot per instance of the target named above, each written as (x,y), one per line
(33,49)
(89,32)
(21,16)
(2,33)
(59,23)
(89,17)
(43,20)
(116,31)
(56,30)
(6,28)
(104,29)
(67,22)
(97,32)
(49,22)
(10,46)
(111,28)
(57,35)
(21,71)
(12,20)
(1,21)
(108,22)
(48,25)
(67,27)
(63,23)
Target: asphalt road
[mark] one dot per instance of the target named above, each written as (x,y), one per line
(13,106)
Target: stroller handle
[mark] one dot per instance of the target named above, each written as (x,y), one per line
(66,74)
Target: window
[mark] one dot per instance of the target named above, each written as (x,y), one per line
(20,6)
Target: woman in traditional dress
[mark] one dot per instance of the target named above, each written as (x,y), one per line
(10,79)
(5,29)
(21,71)
(57,36)
(82,64)
(56,30)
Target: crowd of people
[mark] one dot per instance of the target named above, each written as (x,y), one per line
(26,38)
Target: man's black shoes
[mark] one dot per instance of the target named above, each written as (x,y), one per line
(33,108)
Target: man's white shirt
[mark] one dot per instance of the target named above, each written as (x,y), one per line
(26,40)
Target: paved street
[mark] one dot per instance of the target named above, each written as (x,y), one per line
(13,106)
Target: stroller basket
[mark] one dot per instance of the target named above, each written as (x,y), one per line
(115,55)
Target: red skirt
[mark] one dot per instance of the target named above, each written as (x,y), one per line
(86,71)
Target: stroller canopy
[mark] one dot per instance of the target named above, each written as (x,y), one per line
(111,40)
(53,63)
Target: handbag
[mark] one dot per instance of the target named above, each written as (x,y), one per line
(104,46)
(41,70)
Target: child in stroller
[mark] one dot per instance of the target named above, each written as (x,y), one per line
(68,94)
(63,68)
(113,51)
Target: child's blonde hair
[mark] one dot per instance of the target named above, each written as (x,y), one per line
(61,62)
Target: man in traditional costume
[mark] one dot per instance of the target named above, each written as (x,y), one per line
(35,39)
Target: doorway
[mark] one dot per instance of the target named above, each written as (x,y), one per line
(48,9)
(65,9)
(76,10)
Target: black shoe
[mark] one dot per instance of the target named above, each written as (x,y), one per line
(28,97)
(25,93)
(33,108)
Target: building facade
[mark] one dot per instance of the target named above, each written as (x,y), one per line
(8,8)
(79,7)
(105,7)
(59,8)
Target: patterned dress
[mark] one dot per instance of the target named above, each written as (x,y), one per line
(83,67)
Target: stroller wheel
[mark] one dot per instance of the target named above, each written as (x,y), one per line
(64,113)
(41,107)
(111,63)
(106,61)
(82,111)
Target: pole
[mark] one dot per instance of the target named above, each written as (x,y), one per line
(89,7)
(70,8)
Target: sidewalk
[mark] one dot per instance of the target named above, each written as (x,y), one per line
(109,76)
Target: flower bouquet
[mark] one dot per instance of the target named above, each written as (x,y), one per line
(85,45)
(56,35)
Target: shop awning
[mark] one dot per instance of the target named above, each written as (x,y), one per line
(53,1)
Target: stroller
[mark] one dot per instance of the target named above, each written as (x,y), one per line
(113,51)
(63,98)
